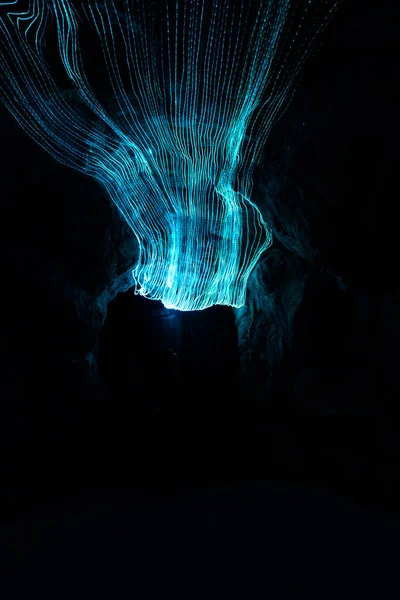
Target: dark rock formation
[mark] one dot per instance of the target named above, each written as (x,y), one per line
(102,389)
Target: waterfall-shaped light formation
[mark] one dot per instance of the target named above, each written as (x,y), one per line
(168,104)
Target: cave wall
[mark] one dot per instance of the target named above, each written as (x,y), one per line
(317,339)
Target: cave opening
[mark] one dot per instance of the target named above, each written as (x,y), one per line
(170,361)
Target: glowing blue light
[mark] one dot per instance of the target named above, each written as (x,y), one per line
(194,88)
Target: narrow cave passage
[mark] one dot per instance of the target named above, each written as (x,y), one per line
(170,361)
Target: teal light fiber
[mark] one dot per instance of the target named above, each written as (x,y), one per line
(168,104)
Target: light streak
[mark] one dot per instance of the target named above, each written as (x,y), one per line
(191,92)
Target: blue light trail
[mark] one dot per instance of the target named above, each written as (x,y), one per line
(168,104)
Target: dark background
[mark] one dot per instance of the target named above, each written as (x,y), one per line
(151,453)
